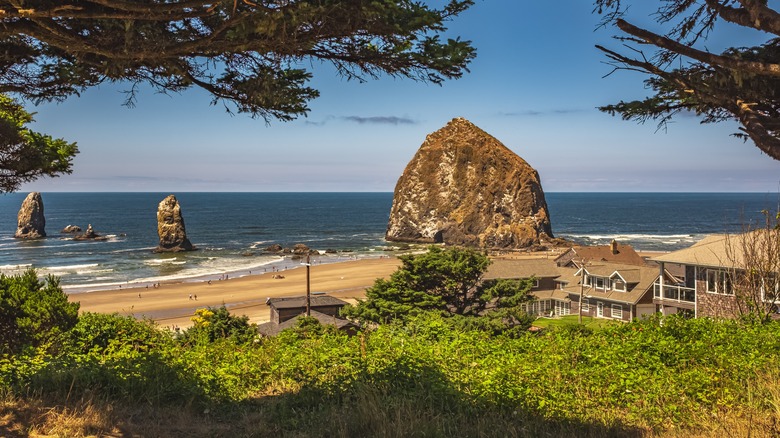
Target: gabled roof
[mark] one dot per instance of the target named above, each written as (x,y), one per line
(272,329)
(720,250)
(300,302)
(625,254)
(638,278)
(526,268)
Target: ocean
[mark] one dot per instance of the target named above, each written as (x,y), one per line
(231,229)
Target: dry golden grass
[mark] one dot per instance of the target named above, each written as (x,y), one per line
(367,417)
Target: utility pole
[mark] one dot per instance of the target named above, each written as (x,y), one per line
(582,287)
(308,286)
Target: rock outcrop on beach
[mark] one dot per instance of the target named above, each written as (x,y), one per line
(31,223)
(463,187)
(298,250)
(170,227)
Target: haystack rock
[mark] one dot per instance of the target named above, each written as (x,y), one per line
(30,220)
(463,187)
(170,227)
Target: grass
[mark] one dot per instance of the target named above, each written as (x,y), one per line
(572,321)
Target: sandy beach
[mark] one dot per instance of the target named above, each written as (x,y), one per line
(171,304)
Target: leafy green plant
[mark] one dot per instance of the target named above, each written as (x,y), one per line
(33,312)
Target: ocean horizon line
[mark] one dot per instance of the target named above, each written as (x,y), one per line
(391,191)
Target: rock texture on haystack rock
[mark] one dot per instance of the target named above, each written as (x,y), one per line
(463,187)
(170,227)
(30,220)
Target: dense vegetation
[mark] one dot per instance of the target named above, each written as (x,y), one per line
(26,155)
(450,282)
(424,375)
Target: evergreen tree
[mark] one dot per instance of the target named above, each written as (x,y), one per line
(741,84)
(445,280)
(249,53)
(26,155)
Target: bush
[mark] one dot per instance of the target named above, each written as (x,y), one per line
(33,313)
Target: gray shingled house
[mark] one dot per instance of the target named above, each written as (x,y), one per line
(285,312)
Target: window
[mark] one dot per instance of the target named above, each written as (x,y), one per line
(618,285)
(562,308)
(600,282)
(534,283)
(585,305)
(587,280)
(617,311)
(562,284)
(600,309)
(718,282)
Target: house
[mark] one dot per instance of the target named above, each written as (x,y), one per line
(613,290)
(284,313)
(608,290)
(614,252)
(710,267)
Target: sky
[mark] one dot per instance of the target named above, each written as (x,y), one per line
(535,86)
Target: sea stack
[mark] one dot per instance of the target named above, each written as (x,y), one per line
(463,187)
(170,227)
(30,220)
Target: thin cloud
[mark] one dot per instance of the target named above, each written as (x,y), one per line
(538,113)
(380,120)
(376,120)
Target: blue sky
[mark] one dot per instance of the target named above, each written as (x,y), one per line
(535,86)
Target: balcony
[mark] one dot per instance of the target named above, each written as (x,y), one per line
(674,293)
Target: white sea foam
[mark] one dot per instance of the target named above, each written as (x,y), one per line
(15,267)
(620,236)
(157,262)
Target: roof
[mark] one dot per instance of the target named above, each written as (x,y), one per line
(272,329)
(722,250)
(639,281)
(527,268)
(625,254)
(296,302)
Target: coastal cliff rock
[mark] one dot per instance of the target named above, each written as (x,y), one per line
(30,220)
(463,187)
(170,227)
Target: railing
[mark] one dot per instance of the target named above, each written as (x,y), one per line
(674,293)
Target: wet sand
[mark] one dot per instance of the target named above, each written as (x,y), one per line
(171,304)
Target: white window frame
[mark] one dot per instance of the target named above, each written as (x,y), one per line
(599,309)
(603,281)
(619,311)
(718,282)
(562,308)
(585,305)
(615,282)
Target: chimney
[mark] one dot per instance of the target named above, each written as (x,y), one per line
(613,246)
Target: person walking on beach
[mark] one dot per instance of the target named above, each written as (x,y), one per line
(190,297)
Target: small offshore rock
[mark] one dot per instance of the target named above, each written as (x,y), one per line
(31,223)
(71,229)
(90,234)
(170,227)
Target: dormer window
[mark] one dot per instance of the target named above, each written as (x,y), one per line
(618,285)
(599,282)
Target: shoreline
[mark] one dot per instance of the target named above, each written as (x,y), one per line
(173,304)
(280,264)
